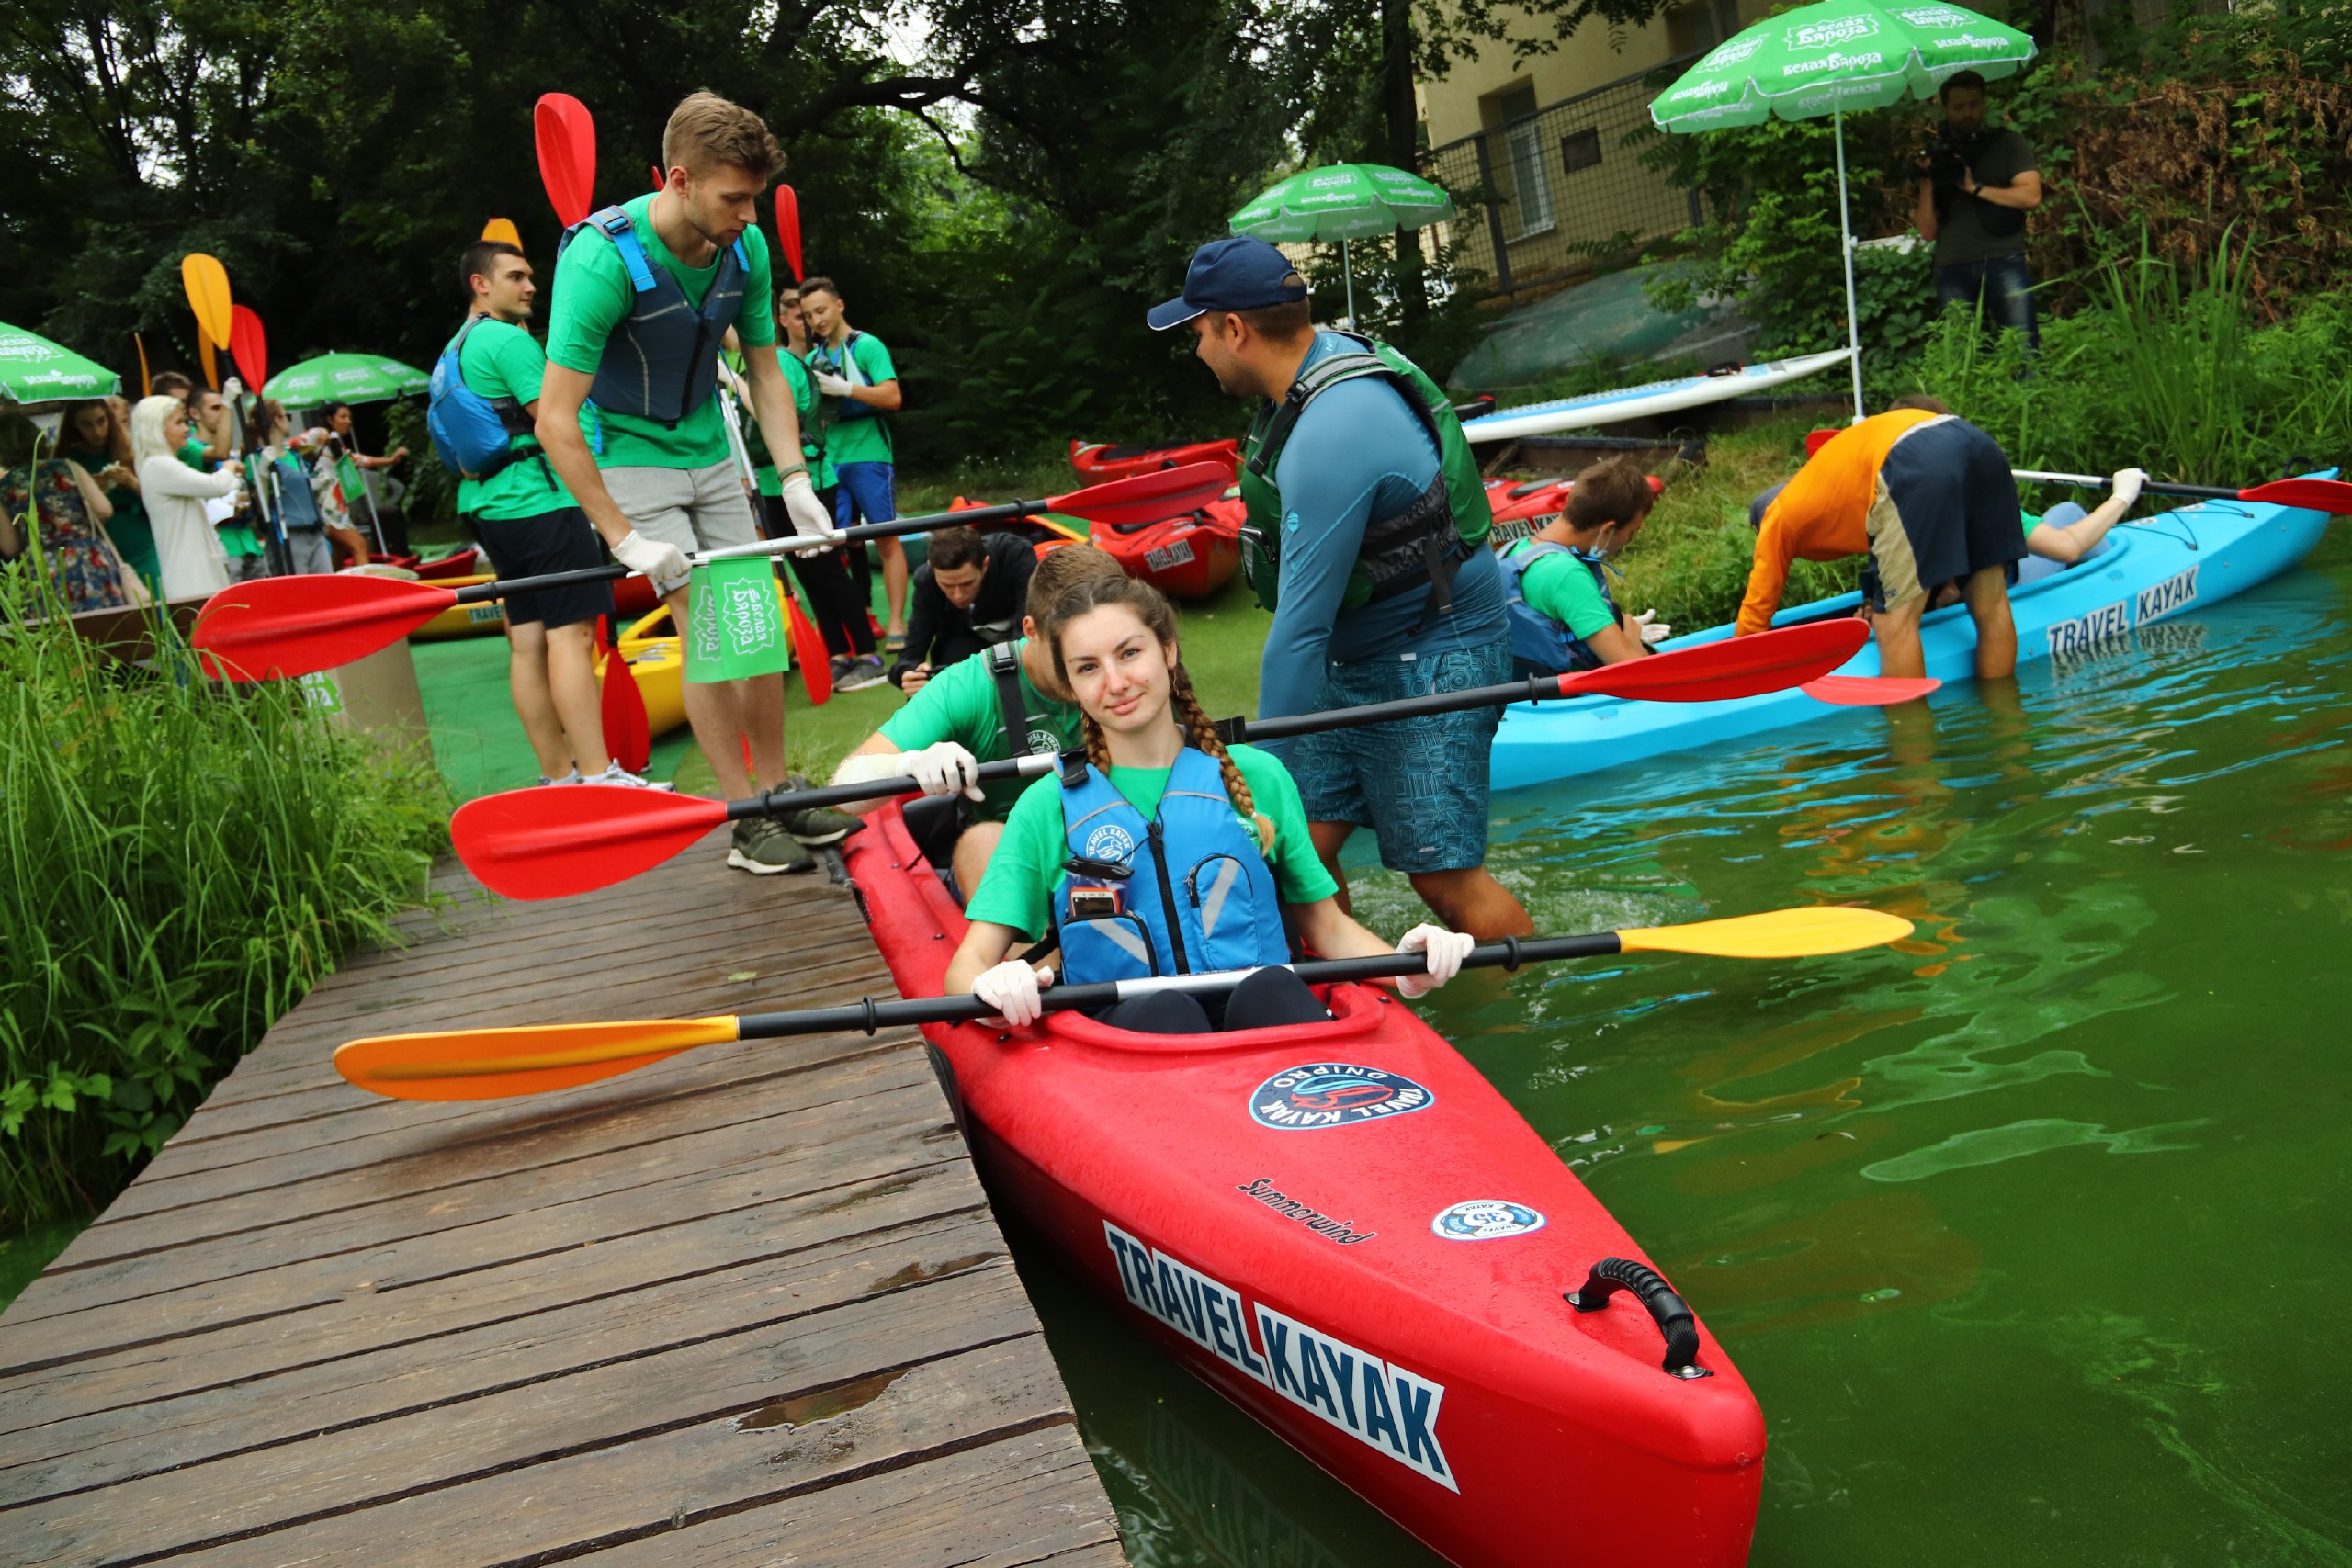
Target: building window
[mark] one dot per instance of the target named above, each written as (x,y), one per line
(1529,182)
(1582,151)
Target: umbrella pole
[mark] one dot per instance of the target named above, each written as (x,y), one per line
(1347,267)
(1846,234)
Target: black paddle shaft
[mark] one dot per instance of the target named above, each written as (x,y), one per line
(1004,512)
(869,1016)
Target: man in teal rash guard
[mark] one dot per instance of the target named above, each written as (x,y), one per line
(1362,489)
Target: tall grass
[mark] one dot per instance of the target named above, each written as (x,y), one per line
(183,860)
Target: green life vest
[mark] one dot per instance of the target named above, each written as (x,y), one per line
(1399,550)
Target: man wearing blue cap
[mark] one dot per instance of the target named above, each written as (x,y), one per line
(1366,538)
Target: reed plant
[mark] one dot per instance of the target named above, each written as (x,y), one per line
(183,860)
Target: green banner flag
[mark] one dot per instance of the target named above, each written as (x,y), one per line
(353,482)
(735,621)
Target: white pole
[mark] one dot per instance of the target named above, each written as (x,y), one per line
(1845,233)
(1348,266)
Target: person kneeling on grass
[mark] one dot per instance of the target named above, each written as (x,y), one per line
(1163,852)
(1005,704)
(1555,582)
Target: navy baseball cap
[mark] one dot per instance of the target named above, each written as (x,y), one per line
(1239,274)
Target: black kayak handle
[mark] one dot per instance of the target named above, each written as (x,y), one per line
(1670,1312)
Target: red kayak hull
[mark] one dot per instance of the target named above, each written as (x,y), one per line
(1266,1205)
(1189,557)
(1099,462)
(458,565)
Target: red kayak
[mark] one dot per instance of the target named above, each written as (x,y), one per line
(1190,557)
(1098,463)
(1521,510)
(1346,1231)
(458,565)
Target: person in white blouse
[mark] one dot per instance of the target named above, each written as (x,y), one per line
(185,546)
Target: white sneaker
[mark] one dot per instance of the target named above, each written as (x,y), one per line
(615,774)
(570,778)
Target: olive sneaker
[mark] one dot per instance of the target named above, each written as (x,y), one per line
(764,848)
(817,825)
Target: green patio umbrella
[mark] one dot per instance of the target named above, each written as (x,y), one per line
(33,370)
(1344,202)
(1826,59)
(345,378)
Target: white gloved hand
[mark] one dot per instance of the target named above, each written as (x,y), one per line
(945,768)
(832,386)
(654,559)
(1446,950)
(2125,485)
(1011,989)
(800,503)
(1654,631)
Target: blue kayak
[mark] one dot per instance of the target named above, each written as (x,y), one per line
(2142,573)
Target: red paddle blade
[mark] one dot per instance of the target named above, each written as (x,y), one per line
(1147,498)
(295,626)
(559,840)
(248,345)
(809,652)
(787,228)
(1735,667)
(1815,440)
(2330,496)
(627,736)
(1870,691)
(567,145)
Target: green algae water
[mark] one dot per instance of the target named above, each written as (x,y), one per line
(2027,1234)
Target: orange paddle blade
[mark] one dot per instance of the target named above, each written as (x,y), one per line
(493,1063)
(502,229)
(1735,667)
(809,652)
(1868,691)
(1147,498)
(556,842)
(293,625)
(207,282)
(1782,933)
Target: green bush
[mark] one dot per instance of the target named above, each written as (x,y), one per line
(184,861)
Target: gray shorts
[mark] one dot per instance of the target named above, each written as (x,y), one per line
(695,508)
(309,550)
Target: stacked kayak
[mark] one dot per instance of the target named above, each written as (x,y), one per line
(1099,462)
(463,620)
(460,563)
(1521,510)
(2143,572)
(1187,557)
(1345,1229)
(1646,400)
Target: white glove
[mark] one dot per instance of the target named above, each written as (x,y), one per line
(1653,632)
(2125,485)
(832,386)
(808,513)
(654,558)
(1011,989)
(945,768)
(1446,950)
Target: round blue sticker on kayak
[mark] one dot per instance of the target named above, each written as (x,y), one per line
(1486,1219)
(1334,1094)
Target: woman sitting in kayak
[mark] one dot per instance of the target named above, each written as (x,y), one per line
(1165,853)
(1555,582)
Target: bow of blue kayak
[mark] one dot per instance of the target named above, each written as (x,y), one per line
(2147,571)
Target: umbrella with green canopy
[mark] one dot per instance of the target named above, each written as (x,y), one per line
(345,378)
(1826,59)
(33,370)
(1344,202)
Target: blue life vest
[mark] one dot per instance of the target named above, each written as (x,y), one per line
(1536,637)
(297,507)
(1197,892)
(475,436)
(662,362)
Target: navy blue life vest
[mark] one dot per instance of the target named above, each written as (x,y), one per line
(662,362)
(1536,637)
(1196,895)
(475,436)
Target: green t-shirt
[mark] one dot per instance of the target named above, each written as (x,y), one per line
(1959,227)
(594,296)
(1017,889)
(1561,587)
(959,704)
(502,360)
(866,439)
(813,451)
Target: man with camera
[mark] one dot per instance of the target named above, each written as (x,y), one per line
(1977,184)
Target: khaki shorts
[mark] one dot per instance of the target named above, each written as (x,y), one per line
(695,508)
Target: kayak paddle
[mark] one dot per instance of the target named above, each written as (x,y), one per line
(293,625)
(493,1063)
(566,136)
(628,735)
(2330,496)
(535,843)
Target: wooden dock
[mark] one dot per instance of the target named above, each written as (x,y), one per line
(746,1307)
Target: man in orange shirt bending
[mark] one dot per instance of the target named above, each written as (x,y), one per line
(1930,498)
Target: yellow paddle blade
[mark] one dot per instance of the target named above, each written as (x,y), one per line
(206,283)
(1778,933)
(493,1063)
(502,229)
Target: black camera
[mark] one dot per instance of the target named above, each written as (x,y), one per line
(1944,162)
